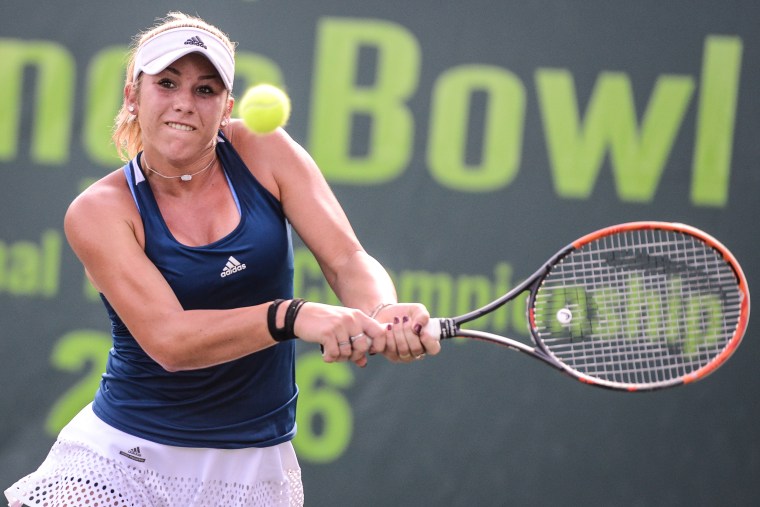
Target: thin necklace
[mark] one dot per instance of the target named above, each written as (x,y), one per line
(183,177)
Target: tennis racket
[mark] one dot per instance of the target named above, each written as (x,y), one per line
(635,307)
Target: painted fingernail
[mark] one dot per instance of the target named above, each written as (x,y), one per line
(395,320)
(389,327)
(417,329)
(406,319)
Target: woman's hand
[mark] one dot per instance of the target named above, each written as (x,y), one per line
(405,338)
(344,334)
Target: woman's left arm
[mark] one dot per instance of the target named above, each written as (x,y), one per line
(358,279)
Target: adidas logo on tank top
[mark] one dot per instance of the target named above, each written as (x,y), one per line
(232,267)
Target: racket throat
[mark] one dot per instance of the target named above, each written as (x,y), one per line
(448,328)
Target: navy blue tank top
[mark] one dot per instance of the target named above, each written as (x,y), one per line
(249,402)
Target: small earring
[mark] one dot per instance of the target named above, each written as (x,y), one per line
(224,122)
(131,108)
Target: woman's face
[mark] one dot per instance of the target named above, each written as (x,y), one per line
(180,110)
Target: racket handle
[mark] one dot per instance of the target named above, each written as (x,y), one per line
(433,327)
(442,328)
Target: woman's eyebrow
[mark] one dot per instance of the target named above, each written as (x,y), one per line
(175,71)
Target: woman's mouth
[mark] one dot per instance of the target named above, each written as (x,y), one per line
(180,126)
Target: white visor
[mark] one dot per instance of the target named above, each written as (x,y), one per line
(167,47)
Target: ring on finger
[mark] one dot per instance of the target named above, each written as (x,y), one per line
(352,339)
(344,343)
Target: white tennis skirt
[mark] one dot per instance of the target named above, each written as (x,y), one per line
(94,464)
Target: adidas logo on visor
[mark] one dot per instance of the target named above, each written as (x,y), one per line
(232,267)
(196,41)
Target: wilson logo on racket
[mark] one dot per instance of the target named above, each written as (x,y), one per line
(637,306)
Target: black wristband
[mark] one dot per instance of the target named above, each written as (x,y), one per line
(284,333)
(290,317)
(278,333)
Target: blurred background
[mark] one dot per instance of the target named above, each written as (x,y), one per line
(467,141)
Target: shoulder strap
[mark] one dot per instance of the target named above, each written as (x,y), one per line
(132,173)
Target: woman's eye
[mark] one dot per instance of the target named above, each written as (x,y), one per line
(205,90)
(166,83)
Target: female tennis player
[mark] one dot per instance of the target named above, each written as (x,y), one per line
(190,247)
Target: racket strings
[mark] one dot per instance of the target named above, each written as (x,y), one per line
(638,307)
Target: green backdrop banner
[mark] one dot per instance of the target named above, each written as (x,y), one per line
(467,141)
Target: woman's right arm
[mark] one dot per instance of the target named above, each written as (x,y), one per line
(104,229)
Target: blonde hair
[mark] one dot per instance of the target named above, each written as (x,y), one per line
(127,135)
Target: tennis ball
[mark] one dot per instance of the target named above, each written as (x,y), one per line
(264,107)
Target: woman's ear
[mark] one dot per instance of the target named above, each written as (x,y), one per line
(130,98)
(227,112)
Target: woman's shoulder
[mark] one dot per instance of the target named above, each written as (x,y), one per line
(244,140)
(266,156)
(107,196)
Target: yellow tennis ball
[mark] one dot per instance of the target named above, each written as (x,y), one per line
(264,107)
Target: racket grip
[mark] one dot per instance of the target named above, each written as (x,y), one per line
(433,327)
